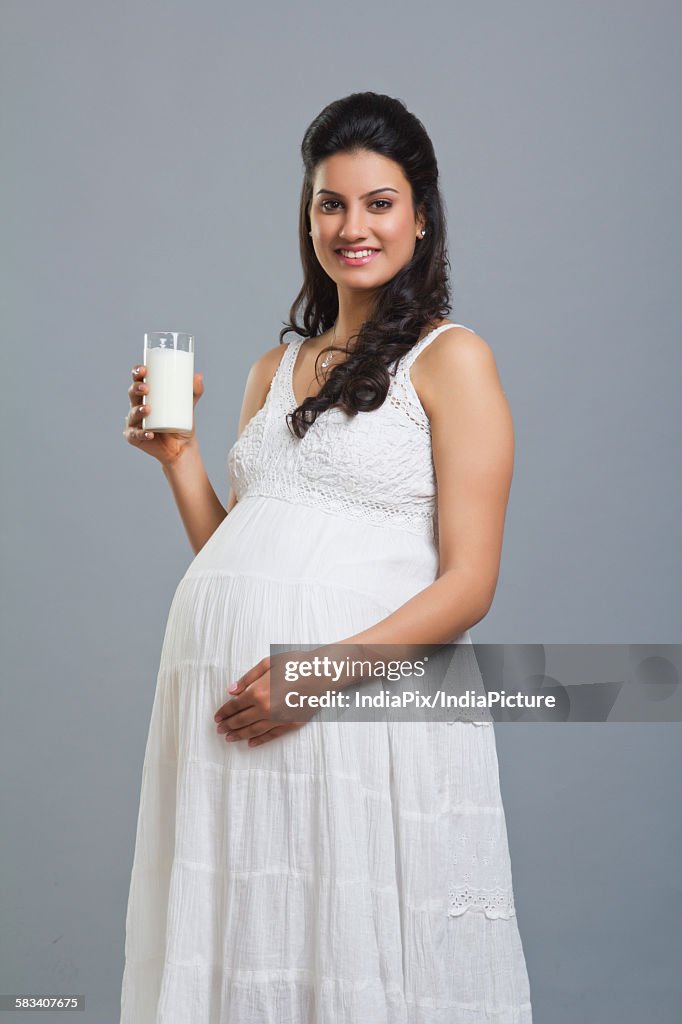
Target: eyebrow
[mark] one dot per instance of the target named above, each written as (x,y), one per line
(374,191)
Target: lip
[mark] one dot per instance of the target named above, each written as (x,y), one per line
(353,260)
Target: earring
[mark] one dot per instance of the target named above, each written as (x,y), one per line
(422,232)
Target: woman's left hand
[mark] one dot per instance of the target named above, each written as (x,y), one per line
(246,715)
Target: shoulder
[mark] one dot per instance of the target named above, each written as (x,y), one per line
(263,369)
(456,345)
(457,359)
(270,359)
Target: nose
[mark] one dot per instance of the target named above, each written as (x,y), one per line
(354,227)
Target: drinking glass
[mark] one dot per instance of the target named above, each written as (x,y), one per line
(169,359)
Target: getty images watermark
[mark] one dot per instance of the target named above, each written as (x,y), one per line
(478,683)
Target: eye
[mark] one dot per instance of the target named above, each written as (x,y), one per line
(386,203)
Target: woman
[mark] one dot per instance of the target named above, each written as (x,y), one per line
(336,872)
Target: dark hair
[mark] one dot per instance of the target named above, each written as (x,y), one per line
(416,296)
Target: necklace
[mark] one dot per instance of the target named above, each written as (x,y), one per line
(327,359)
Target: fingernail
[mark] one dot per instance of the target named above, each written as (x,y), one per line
(233,688)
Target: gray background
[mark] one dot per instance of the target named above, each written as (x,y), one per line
(151,177)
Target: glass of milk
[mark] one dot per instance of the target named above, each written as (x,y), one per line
(169,358)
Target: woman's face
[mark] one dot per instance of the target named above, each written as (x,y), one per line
(344,214)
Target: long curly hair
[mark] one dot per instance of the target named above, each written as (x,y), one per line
(415,297)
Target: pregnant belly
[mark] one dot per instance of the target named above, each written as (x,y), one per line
(283,541)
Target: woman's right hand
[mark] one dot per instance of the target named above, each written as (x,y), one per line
(164,447)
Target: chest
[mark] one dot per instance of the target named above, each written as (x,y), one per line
(376,465)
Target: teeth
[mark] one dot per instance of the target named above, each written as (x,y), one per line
(357,255)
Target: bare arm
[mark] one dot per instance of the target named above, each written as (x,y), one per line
(200,508)
(198,504)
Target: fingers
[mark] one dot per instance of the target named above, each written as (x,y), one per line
(272,734)
(251,731)
(240,720)
(243,719)
(266,736)
(234,722)
(245,715)
(133,430)
(259,732)
(134,420)
(138,389)
(231,707)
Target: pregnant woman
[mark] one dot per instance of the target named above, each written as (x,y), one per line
(333,872)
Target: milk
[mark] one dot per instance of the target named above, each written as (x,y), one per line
(170,376)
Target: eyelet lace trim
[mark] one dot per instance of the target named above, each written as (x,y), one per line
(497,902)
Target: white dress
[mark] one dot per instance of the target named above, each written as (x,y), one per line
(345,872)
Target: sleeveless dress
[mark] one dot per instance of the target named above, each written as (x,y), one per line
(345,872)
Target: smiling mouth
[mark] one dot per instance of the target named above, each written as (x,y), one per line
(359,256)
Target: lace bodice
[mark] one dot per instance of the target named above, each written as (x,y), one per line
(376,466)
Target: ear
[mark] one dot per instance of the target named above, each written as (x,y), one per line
(421,219)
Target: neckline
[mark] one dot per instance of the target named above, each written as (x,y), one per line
(295,346)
